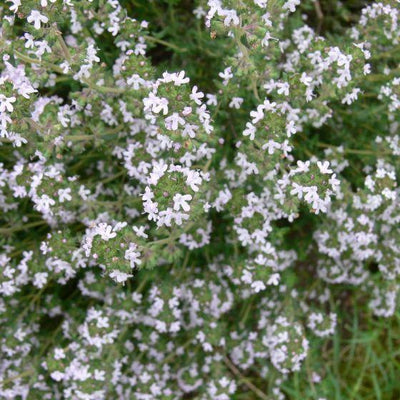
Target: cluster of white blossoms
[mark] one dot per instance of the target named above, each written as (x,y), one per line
(158,241)
(286,344)
(176,208)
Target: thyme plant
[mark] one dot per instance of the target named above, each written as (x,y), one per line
(195,196)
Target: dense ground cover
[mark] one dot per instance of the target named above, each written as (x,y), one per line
(199,199)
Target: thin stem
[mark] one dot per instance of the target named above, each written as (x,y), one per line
(320,14)
(36,61)
(117,130)
(111,178)
(32,302)
(172,355)
(356,151)
(63,45)
(9,380)
(246,311)
(104,89)
(80,137)
(164,43)
(207,166)
(245,380)
(140,288)
(172,237)
(6,231)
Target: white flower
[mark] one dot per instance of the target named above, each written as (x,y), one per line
(159,169)
(59,353)
(44,203)
(57,376)
(187,111)
(40,279)
(99,375)
(161,105)
(140,231)
(172,122)
(6,103)
(261,3)
(226,75)
(65,67)
(155,104)
(311,194)
(196,96)
(297,190)
(291,5)
(180,217)
(258,286)
(271,145)
(180,201)
(148,194)
(389,194)
(193,180)
(36,18)
(105,231)
(119,276)
(132,255)
(273,279)
(257,115)
(305,79)
(324,167)
(211,99)
(283,88)
(291,128)
(190,130)
(250,131)
(16,139)
(151,209)
(177,78)
(236,102)
(199,12)
(44,3)
(334,182)
(302,166)
(64,195)
(367,69)
(231,17)
(269,106)
(15,5)
(83,192)
(181,79)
